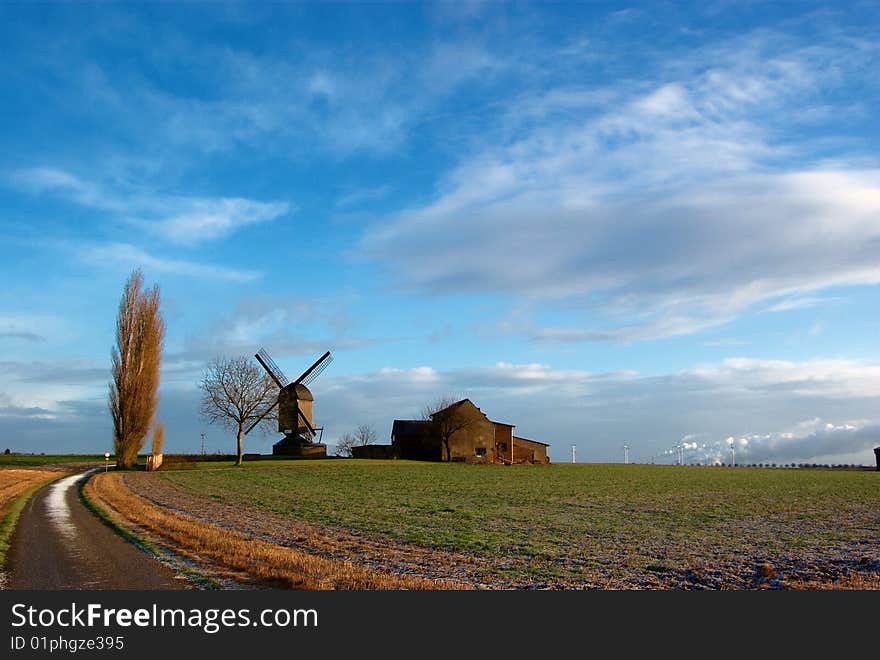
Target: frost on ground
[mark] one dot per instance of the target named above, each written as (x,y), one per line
(613,561)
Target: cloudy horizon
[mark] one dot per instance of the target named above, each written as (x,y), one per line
(604,223)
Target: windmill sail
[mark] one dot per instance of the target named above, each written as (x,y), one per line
(294,407)
(312,372)
(261,416)
(311,430)
(308,380)
(272,368)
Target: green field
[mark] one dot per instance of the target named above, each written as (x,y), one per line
(564,522)
(36,460)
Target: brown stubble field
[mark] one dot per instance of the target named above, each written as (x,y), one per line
(226,555)
(16,485)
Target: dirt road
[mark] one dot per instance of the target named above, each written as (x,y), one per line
(60,544)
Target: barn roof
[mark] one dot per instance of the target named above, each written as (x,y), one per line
(458,403)
(534,442)
(409,427)
(453,405)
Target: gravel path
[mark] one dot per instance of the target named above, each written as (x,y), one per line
(60,544)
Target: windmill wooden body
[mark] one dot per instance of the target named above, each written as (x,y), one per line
(295,408)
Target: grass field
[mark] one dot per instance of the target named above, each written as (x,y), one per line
(576,524)
(37,460)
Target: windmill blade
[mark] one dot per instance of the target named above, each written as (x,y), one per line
(321,360)
(271,368)
(317,372)
(311,428)
(260,418)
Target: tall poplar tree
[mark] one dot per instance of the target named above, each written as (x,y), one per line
(136,357)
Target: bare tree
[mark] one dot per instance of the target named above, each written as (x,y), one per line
(442,402)
(363,435)
(134,390)
(235,391)
(447,424)
(344,445)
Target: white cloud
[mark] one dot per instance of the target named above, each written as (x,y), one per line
(184,220)
(669,102)
(666,265)
(725,341)
(293,331)
(190,221)
(319,101)
(775,411)
(34,327)
(25,327)
(804,302)
(673,209)
(811,441)
(45,389)
(831,379)
(745,398)
(130,256)
(43,180)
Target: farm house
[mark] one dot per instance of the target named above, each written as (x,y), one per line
(460,432)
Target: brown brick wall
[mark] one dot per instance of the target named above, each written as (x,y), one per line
(479,433)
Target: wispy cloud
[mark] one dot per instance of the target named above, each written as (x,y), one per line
(32,327)
(42,179)
(178,219)
(130,256)
(32,412)
(302,95)
(725,341)
(288,329)
(23,335)
(73,372)
(662,326)
(190,221)
(804,302)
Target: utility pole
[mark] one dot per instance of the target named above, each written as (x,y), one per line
(203,444)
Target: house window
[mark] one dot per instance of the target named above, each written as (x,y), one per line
(479,451)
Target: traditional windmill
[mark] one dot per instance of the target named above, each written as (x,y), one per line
(294,403)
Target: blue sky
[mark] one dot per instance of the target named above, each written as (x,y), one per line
(606,223)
